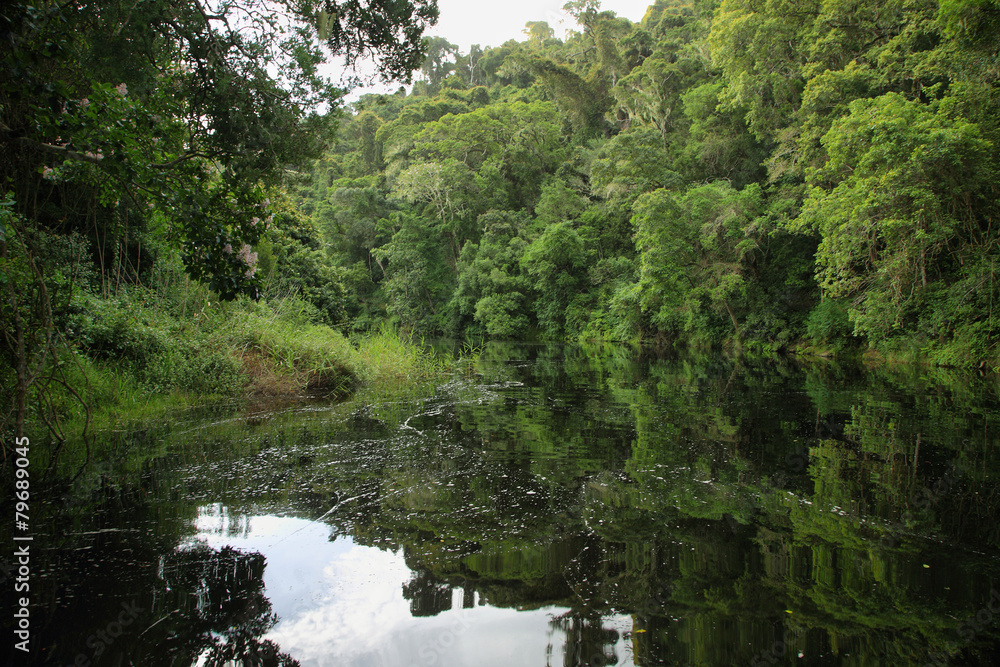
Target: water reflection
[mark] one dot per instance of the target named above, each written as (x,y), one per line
(552,505)
(341,603)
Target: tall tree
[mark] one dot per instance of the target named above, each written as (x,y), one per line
(207,105)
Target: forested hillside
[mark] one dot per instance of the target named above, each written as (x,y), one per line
(754,174)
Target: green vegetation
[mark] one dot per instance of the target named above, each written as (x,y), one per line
(135,351)
(189,214)
(148,253)
(738,174)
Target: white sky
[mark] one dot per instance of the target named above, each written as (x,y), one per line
(491,23)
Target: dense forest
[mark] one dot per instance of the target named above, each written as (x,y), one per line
(188,205)
(747,174)
(148,253)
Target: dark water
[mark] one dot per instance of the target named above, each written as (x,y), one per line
(546,505)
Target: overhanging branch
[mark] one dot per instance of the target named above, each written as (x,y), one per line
(65,151)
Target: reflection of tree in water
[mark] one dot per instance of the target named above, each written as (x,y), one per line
(223,611)
(428,595)
(588,642)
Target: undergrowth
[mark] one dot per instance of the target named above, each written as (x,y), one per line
(137,356)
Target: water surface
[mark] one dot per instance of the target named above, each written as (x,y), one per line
(545,505)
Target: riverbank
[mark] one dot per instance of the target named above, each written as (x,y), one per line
(137,357)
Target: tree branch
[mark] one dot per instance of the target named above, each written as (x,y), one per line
(65,151)
(177,161)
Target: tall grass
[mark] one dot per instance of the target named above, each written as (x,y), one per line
(138,357)
(389,360)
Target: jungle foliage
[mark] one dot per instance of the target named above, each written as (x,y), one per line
(747,174)
(145,145)
(750,174)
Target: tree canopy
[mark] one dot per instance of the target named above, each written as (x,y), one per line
(188,109)
(733,172)
(756,175)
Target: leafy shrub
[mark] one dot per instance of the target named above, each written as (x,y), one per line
(115,331)
(158,351)
(212,372)
(829,324)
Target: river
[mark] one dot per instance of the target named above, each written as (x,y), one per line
(544,505)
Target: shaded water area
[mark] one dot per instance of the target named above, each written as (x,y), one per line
(545,505)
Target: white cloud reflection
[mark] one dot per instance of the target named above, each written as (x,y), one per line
(341,604)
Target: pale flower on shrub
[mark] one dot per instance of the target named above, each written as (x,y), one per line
(249,258)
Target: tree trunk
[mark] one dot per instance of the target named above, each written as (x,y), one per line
(20,355)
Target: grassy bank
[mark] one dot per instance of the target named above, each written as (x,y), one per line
(138,356)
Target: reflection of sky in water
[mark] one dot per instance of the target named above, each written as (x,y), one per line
(341,604)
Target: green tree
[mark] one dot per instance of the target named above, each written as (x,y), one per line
(583,101)
(696,252)
(718,144)
(446,188)
(518,142)
(208,105)
(538,32)
(492,289)
(906,194)
(439,63)
(633,163)
(419,278)
(556,262)
(398,136)
(758,45)
(651,93)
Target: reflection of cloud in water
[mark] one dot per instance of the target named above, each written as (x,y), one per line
(361,607)
(341,604)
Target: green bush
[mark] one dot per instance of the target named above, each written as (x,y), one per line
(117,330)
(829,324)
(157,350)
(212,372)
